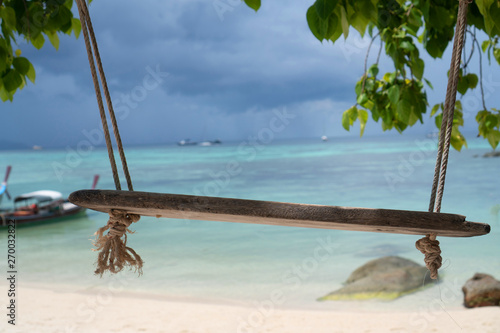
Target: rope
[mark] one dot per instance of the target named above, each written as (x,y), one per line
(109,146)
(115,254)
(429,245)
(451,94)
(89,36)
(108,98)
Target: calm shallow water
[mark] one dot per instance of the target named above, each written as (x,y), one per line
(244,264)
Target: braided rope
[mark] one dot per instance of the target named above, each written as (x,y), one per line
(451,94)
(429,245)
(114,253)
(102,112)
(108,97)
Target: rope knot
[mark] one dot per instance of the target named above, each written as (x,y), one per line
(114,255)
(429,246)
(119,221)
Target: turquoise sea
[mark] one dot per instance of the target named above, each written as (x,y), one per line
(244,264)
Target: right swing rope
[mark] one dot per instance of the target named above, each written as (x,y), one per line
(428,245)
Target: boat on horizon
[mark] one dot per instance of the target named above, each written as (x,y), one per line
(210,143)
(187,142)
(41,206)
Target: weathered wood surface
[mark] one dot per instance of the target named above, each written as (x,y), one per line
(279,213)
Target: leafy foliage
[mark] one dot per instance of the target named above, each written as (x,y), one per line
(399,99)
(35,21)
(489,126)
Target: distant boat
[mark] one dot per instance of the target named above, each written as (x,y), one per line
(210,143)
(37,147)
(186,142)
(41,206)
(324,138)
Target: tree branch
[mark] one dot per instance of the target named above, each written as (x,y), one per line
(366,61)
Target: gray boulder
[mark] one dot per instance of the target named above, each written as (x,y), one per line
(384,278)
(481,290)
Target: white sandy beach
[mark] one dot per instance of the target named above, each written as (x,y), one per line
(43,310)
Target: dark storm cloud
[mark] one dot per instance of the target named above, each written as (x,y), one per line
(246,60)
(227,72)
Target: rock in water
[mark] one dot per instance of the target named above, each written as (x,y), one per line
(384,278)
(481,290)
(492,154)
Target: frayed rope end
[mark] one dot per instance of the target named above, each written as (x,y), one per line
(114,253)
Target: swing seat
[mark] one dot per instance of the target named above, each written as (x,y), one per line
(279,213)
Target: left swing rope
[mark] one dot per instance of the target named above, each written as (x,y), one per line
(114,253)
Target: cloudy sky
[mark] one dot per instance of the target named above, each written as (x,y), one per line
(201,70)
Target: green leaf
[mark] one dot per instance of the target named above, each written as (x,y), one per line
(363,98)
(404,110)
(5,95)
(343,21)
(393,93)
(318,26)
(53,38)
(8,16)
(363,118)
(358,22)
(490,121)
(373,70)
(429,83)
(76,26)
(389,77)
(334,28)
(483,6)
(418,68)
(496,54)
(12,80)
(325,7)
(472,80)
(485,45)
(254,4)
(345,120)
(493,138)
(21,64)
(59,19)
(457,140)
(407,46)
(3,58)
(31,75)
(435,109)
(38,41)
(494,14)
(348,117)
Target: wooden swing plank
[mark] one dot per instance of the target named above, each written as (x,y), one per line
(278,213)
